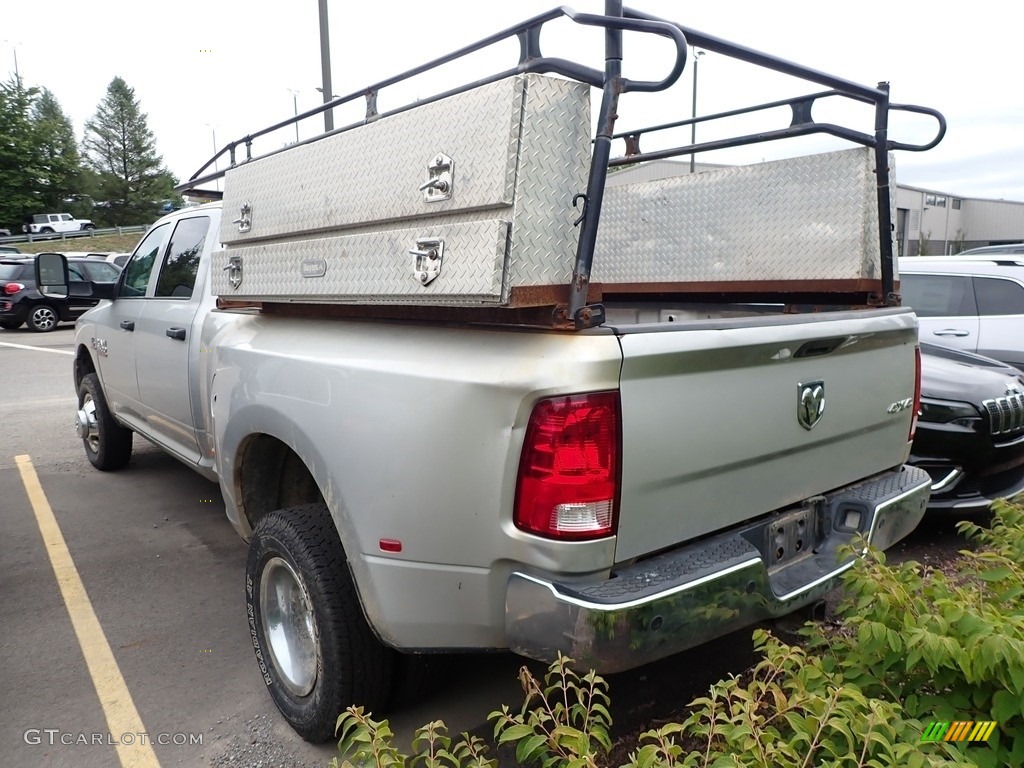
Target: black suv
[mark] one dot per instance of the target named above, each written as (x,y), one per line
(20,302)
(970,435)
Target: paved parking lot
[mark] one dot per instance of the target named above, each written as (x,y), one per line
(122,631)
(121,620)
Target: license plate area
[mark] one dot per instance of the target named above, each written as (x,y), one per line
(789,536)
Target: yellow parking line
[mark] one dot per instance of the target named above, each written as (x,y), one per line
(118,707)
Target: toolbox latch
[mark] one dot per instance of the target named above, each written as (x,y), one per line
(440,178)
(244,220)
(234,270)
(427,259)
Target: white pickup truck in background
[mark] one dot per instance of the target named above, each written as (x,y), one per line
(421,469)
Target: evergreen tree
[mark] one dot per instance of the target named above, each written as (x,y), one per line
(57,161)
(122,150)
(18,174)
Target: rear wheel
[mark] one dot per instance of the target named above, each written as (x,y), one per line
(108,445)
(88,227)
(42,318)
(314,648)
(9,325)
(46,231)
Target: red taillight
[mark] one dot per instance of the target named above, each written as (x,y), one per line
(917,392)
(12,288)
(568,485)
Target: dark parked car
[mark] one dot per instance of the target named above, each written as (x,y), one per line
(20,302)
(970,436)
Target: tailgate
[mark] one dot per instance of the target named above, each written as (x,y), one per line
(711,426)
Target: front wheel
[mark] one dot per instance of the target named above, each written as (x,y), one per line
(42,318)
(10,325)
(314,648)
(108,445)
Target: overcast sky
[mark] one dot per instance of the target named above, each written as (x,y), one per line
(223,68)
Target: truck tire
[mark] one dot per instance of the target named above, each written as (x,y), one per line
(43,318)
(46,231)
(108,445)
(314,648)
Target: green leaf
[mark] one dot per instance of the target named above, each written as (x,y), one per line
(514,733)
(529,748)
(996,574)
(1005,706)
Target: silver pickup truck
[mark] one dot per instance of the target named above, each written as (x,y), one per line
(659,470)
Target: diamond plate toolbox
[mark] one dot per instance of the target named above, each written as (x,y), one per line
(456,202)
(802,219)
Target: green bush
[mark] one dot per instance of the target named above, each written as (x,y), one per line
(947,647)
(789,711)
(562,723)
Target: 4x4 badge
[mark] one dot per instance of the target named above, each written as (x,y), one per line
(810,403)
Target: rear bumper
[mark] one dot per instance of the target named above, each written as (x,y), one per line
(12,311)
(686,597)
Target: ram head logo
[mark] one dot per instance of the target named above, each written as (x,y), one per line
(810,403)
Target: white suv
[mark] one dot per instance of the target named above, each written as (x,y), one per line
(51,223)
(969,301)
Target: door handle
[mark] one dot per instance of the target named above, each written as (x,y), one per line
(176,333)
(127,325)
(951,332)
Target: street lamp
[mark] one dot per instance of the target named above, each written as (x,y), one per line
(693,125)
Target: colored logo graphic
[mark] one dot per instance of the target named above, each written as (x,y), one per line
(959,730)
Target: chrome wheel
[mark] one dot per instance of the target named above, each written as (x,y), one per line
(43,318)
(286,614)
(85,423)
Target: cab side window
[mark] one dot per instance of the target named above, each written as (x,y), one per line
(181,264)
(140,266)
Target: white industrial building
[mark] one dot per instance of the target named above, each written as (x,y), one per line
(927,221)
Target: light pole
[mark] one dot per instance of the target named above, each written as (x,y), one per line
(693,126)
(213,134)
(325,65)
(328,124)
(295,106)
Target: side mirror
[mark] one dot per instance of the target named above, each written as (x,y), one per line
(53,281)
(52,275)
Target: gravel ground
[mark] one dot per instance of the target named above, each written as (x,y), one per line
(260,745)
